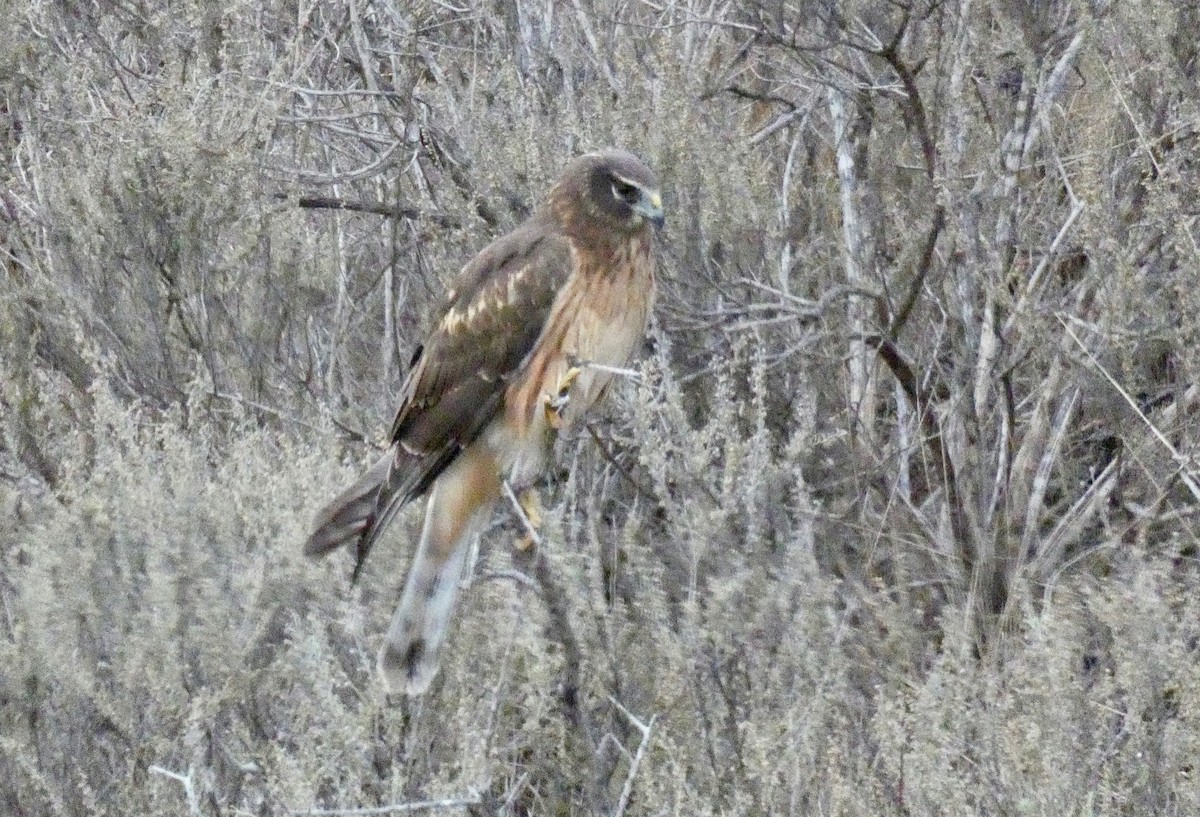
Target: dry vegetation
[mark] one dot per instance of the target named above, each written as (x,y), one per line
(900,519)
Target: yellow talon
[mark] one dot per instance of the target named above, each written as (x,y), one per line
(554,404)
(568,380)
(531,504)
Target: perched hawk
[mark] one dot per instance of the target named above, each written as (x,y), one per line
(531,330)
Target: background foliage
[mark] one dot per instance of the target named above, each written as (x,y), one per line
(900,518)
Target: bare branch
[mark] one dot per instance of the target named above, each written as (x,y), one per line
(519,509)
(193,799)
(395,808)
(398,211)
(1187,465)
(646,728)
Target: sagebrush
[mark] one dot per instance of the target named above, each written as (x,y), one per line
(898,517)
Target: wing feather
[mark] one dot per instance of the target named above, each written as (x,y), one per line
(491,324)
(489,329)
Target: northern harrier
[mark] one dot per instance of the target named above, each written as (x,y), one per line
(532,328)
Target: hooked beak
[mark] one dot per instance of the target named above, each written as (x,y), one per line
(650,206)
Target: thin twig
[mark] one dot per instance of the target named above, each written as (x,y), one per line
(632,374)
(645,728)
(396,211)
(1184,463)
(589,35)
(1041,476)
(274,412)
(188,789)
(621,469)
(1018,310)
(515,576)
(1070,525)
(395,808)
(520,510)
(558,628)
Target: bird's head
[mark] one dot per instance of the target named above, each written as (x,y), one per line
(610,188)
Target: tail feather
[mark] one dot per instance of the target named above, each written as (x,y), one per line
(363,511)
(460,501)
(459,505)
(352,514)
(408,660)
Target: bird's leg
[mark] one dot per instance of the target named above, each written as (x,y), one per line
(555,404)
(529,509)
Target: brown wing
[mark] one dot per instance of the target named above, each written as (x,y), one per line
(491,325)
(496,314)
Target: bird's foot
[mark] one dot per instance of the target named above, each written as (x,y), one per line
(555,404)
(531,506)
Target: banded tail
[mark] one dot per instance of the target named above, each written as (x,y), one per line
(459,505)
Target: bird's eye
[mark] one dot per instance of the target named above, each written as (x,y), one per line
(624,191)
